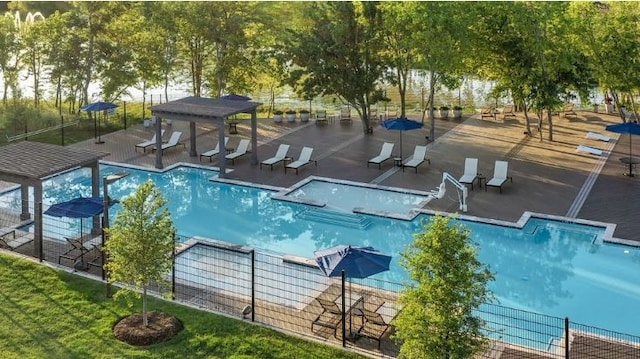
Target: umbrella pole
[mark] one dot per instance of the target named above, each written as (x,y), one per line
(630,161)
(400,145)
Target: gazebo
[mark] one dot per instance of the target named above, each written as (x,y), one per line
(205,110)
(28,163)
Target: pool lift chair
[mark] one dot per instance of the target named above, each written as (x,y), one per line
(440,191)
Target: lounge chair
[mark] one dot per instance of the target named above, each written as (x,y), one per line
(281,155)
(627,116)
(149,143)
(470,171)
(79,249)
(385,154)
(304,159)
(588,149)
(321,116)
(331,316)
(507,112)
(567,110)
(345,114)
(174,141)
(373,326)
(243,149)
(418,158)
(488,112)
(209,154)
(499,175)
(9,239)
(597,136)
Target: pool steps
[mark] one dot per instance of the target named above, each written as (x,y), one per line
(350,220)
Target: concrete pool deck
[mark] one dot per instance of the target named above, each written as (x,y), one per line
(549,177)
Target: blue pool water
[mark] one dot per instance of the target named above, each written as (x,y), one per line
(548,267)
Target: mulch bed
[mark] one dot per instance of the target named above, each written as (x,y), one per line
(161,327)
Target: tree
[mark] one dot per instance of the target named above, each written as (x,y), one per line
(449,283)
(140,245)
(335,54)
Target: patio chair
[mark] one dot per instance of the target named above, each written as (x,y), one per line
(321,116)
(281,155)
(304,159)
(345,114)
(9,239)
(588,149)
(243,149)
(174,141)
(597,136)
(508,112)
(78,250)
(499,175)
(567,110)
(627,116)
(488,112)
(418,158)
(385,154)
(209,154)
(330,317)
(470,171)
(373,326)
(149,143)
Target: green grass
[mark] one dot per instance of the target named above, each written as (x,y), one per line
(48,313)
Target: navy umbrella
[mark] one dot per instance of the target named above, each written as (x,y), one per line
(356,262)
(631,128)
(97,107)
(235,97)
(401,124)
(81,207)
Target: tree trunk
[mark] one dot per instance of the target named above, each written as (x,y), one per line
(432,117)
(145,320)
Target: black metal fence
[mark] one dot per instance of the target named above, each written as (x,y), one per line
(292,294)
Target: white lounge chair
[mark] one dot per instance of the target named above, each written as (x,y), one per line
(470,171)
(281,155)
(304,159)
(597,136)
(418,158)
(209,154)
(385,154)
(243,148)
(174,141)
(591,150)
(499,175)
(149,143)
(9,239)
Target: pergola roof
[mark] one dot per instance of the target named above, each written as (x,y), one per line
(201,109)
(32,161)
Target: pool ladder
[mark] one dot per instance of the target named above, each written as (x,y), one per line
(345,219)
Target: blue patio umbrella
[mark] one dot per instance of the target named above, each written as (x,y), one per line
(97,107)
(631,128)
(235,97)
(401,124)
(81,207)
(357,262)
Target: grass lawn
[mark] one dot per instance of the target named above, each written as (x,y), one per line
(48,313)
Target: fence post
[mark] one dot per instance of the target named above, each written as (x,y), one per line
(566,337)
(253,285)
(344,324)
(173,268)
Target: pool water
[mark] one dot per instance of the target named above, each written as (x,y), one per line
(549,267)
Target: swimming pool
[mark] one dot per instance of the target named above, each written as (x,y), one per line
(547,266)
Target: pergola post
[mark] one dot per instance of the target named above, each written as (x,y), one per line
(222,163)
(37,228)
(159,164)
(192,140)
(254,138)
(24,195)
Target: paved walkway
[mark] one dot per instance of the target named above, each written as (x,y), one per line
(548,177)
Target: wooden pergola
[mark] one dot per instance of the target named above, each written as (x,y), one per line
(29,163)
(206,110)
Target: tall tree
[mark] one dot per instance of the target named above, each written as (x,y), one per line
(437,319)
(140,242)
(336,54)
